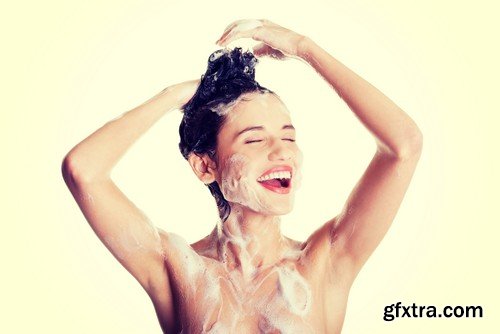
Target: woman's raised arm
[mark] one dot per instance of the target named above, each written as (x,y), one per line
(96,155)
(354,234)
(120,225)
(375,200)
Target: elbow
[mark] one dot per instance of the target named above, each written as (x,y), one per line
(412,148)
(72,172)
(408,147)
(68,170)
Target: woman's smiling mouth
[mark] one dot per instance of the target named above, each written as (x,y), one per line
(277,179)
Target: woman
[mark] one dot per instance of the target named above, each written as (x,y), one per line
(246,277)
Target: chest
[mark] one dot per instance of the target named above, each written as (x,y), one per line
(281,299)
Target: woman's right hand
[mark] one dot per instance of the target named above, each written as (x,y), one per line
(183,91)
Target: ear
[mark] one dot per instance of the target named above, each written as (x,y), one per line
(203,167)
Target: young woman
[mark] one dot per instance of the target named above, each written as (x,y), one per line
(238,137)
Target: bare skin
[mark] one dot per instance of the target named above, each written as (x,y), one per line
(246,277)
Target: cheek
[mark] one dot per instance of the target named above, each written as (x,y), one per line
(234,174)
(238,184)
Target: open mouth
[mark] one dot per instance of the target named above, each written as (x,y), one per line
(277,181)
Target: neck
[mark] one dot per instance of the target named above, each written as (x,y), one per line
(248,241)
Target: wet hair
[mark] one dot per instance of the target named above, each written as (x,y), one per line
(230,74)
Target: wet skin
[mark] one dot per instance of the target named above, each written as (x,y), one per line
(297,294)
(246,277)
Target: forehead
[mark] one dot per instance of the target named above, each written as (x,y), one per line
(257,109)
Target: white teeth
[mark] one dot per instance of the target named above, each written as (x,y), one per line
(276,175)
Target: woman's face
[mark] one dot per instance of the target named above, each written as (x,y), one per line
(259,160)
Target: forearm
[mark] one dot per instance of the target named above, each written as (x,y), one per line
(94,157)
(395,132)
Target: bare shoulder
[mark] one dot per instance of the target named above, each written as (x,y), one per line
(175,247)
(162,291)
(160,282)
(180,259)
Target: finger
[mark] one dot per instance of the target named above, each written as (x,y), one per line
(236,24)
(234,35)
(228,30)
(239,30)
(231,25)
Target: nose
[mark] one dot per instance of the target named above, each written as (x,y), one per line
(280,151)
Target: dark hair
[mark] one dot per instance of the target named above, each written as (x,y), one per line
(230,73)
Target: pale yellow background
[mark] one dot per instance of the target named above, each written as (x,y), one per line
(70,66)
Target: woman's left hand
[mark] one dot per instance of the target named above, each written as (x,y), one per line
(277,42)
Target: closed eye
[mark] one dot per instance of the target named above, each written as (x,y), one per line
(259,140)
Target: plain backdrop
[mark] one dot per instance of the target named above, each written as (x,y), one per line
(67,67)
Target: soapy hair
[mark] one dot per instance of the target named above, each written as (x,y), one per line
(230,73)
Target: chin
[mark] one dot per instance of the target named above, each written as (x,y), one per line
(282,211)
(257,199)
(275,208)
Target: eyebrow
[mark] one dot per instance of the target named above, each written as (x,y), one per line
(260,128)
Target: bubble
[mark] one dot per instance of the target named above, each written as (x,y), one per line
(217,54)
(238,185)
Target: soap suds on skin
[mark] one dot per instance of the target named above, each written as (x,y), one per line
(278,296)
(295,290)
(239,186)
(224,109)
(87,197)
(129,239)
(243,295)
(281,306)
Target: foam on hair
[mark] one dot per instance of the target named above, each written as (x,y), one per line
(230,74)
